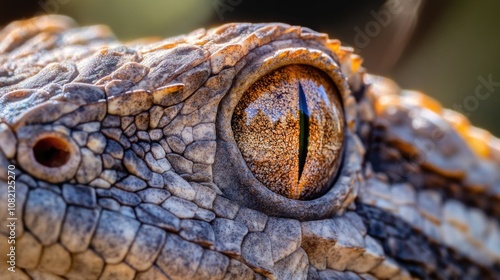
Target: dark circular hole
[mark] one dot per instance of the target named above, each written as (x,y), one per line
(52,152)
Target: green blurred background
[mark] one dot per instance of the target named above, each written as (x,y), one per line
(443,48)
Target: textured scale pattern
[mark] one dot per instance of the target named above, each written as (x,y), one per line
(148,195)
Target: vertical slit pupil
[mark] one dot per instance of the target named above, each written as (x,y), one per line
(304,130)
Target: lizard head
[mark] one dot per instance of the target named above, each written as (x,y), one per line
(243,151)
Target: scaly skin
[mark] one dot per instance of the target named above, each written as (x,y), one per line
(153,186)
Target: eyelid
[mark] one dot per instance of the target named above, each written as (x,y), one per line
(230,171)
(29,136)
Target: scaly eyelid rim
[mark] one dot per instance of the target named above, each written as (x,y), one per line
(233,176)
(28,136)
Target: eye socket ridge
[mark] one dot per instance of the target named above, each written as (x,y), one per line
(231,172)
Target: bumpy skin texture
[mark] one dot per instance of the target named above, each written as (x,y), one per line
(156,188)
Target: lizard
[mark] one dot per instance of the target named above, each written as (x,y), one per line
(245,151)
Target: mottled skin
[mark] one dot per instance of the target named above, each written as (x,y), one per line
(126,165)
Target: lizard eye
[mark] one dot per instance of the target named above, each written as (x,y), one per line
(48,155)
(289,127)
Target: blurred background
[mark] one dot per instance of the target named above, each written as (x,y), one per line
(447,49)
